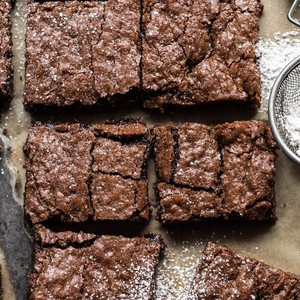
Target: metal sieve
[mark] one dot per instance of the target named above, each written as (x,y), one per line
(284,99)
(293,14)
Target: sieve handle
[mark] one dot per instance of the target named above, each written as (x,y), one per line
(292,11)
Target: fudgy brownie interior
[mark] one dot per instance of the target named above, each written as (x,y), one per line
(77,173)
(224,274)
(205,172)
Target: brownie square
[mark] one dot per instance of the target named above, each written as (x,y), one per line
(224,274)
(248,171)
(70,265)
(119,187)
(77,173)
(225,171)
(200,51)
(81,51)
(188,166)
(6,78)
(58,167)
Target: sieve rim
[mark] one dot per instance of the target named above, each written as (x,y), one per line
(271,111)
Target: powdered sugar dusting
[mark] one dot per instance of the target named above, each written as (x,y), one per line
(273,56)
(176,272)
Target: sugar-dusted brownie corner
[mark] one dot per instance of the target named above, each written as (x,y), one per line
(224,274)
(6,78)
(70,265)
(76,173)
(82,51)
(225,171)
(200,51)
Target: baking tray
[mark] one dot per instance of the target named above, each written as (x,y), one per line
(277,245)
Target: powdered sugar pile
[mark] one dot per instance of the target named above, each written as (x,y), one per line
(273,56)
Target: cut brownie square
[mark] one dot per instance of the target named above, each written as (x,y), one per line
(248,172)
(76,173)
(81,51)
(119,189)
(6,78)
(58,169)
(224,274)
(187,163)
(200,51)
(70,265)
(225,171)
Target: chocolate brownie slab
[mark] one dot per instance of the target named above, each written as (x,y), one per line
(225,171)
(224,274)
(84,266)
(200,51)
(81,51)
(6,79)
(77,173)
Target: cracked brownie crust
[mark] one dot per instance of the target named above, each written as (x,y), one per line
(167,52)
(76,173)
(81,51)
(200,51)
(69,265)
(224,171)
(6,78)
(224,274)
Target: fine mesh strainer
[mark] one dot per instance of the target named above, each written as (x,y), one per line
(284,110)
(293,14)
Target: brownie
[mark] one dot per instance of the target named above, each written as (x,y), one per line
(224,274)
(225,171)
(6,76)
(248,170)
(66,266)
(81,51)
(199,52)
(98,172)
(58,167)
